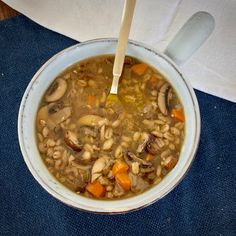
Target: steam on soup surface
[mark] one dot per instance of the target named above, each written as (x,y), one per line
(109,149)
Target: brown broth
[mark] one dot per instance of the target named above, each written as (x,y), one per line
(104,149)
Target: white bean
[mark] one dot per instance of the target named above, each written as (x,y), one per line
(42,148)
(158,171)
(86,155)
(165,154)
(119,152)
(92,83)
(124,144)
(42,122)
(96,148)
(88,147)
(116,123)
(56,155)
(168,136)
(165,128)
(49,152)
(135,167)
(159,122)
(157,133)
(103,122)
(136,136)
(154,93)
(50,143)
(40,137)
(172,146)
(108,144)
(102,132)
(108,133)
(45,132)
(57,164)
(160,143)
(177,141)
(175,131)
(126,139)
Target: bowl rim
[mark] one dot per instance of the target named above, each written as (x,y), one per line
(62,198)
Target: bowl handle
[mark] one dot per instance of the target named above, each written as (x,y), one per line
(190,37)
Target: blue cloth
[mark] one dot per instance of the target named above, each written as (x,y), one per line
(204,203)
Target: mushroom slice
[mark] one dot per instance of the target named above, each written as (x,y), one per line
(61,115)
(128,160)
(80,166)
(144,140)
(118,191)
(42,116)
(152,146)
(163,98)
(89,131)
(72,141)
(52,114)
(98,167)
(147,169)
(135,158)
(170,162)
(138,184)
(56,90)
(92,120)
(80,184)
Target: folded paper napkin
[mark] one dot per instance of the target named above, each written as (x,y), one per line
(211,69)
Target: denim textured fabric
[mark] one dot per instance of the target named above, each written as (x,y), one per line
(204,203)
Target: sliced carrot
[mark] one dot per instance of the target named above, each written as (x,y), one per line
(178,114)
(96,189)
(91,100)
(139,69)
(123,180)
(149,157)
(119,167)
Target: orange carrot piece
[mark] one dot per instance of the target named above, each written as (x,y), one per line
(91,100)
(96,189)
(139,69)
(123,180)
(149,157)
(178,114)
(119,167)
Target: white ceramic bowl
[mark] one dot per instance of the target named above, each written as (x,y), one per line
(41,81)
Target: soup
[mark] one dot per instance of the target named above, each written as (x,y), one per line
(108,149)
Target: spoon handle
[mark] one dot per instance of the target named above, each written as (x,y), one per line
(127,16)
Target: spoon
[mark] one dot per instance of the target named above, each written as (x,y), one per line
(127,16)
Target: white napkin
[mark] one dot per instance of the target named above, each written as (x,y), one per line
(211,69)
